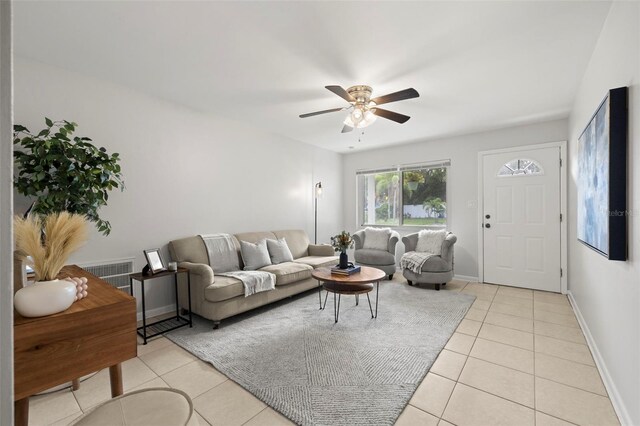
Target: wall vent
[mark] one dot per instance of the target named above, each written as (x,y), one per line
(115,272)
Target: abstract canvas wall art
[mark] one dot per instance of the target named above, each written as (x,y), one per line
(602,178)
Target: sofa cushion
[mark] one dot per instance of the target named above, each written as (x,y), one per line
(254,237)
(436,264)
(289,272)
(279,251)
(190,249)
(376,238)
(374,257)
(297,240)
(223,288)
(321,250)
(254,256)
(318,261)
(251,237)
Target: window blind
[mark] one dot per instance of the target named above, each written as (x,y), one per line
(406,167)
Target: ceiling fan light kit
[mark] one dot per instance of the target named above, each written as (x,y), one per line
(360,117)
(365,110)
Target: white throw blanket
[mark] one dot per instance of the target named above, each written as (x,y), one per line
(414,261)
(223,259)
(221,252)
(253,281)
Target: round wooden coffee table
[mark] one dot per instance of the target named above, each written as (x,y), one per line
(355,284)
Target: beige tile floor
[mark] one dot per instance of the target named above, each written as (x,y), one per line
(518,358)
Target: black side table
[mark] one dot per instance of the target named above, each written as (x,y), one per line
(168,324)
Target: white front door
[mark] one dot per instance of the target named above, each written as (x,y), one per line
(521,218)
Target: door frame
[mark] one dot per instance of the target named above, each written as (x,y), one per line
(563,204)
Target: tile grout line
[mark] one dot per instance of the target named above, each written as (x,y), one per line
(194,409)
(424,411)
(525,372)
(556,417)
(534,334)
(499,365)
(573,387)
(461,370)
(534,372)
(167,372)
(555,323)
(489,393)
(534,357)
(498,396)
(266,406)
(456,381)
(77,402)
(211,388)
(139,343)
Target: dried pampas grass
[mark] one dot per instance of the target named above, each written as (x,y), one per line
(50,241)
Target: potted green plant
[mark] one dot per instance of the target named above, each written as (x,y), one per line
(64,172)
(341,243)
(413,179)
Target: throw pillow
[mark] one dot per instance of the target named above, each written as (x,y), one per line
(430,241)
(279,251)
(376,238)
(254,256)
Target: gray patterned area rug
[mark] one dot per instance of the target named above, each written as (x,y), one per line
(360,371)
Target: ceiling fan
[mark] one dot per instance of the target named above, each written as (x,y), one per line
(364,109)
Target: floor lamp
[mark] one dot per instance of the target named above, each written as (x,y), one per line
(317,194)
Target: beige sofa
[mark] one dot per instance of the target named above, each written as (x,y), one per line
(217,297)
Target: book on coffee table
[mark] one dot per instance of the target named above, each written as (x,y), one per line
(349,271)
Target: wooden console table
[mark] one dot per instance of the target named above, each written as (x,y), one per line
(94,333)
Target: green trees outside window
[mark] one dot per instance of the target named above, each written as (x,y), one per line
(415,197)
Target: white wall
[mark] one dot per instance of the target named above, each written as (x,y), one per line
(186,173)
(6,213)
(607,293)
(463,177)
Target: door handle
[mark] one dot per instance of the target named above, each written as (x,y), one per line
(487,225)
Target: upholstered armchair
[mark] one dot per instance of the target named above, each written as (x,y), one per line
(436,270)
(379,251)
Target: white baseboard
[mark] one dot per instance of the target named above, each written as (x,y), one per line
(612,390)
(157,311)
(465,278)
(455,277)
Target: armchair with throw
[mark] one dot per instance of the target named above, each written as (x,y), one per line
(376,247)
(428,257)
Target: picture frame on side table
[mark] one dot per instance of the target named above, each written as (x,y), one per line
(602,178)
(155,263)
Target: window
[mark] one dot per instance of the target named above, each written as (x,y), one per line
(520,167)
(404,196)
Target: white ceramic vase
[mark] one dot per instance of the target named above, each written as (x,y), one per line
(44,298)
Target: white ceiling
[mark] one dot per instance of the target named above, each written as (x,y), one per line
(476,65)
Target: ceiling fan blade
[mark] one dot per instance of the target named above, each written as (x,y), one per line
(340,92)
(311,114)
(346,129)
(390,115)
(396,96)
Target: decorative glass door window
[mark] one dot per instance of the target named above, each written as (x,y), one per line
(519,167)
